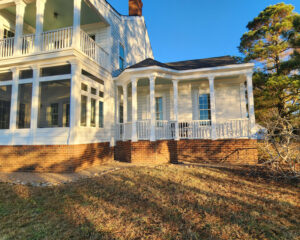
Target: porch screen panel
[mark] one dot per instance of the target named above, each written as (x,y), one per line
(5,101)
(83,112)
(24,105)
(53,106)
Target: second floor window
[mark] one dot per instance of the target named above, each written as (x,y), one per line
(204,107)
(121,57)
(8,34)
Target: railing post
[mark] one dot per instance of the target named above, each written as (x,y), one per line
(152,107)
(250,104)
(40,9)
(134,137)
(175,93)
(76,24)
(20,10)
(213,107)
(125,102)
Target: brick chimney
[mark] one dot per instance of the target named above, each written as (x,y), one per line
(135,8)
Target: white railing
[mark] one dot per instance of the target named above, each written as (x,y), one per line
(143,129)
(57,39)
(165,129)
(93,50)
(234,128)
(28,44)
(197,129)
(7,47)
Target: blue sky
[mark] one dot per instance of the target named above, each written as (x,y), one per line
(193,29)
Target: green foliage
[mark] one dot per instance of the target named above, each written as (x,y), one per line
(273,40)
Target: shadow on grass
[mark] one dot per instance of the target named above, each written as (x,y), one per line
(150,203)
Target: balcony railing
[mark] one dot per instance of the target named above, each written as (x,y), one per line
(164,129)
(7,47)
(56,40)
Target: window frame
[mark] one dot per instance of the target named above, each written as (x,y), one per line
(121,58)
(208,109)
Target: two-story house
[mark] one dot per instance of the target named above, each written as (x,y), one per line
(79,86)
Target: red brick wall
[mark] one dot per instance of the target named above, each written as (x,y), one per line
(56,158)
(235,151)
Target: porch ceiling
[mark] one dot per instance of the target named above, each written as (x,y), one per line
(64,17)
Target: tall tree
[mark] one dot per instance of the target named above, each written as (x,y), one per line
(270,41)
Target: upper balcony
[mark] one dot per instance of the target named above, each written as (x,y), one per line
(47,26)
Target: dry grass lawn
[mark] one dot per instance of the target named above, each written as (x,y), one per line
(165,202)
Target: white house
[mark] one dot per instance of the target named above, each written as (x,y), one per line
(78,86)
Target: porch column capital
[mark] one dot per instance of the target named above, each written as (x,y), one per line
(152,107)
(211,79)
(20,4)
(250,104)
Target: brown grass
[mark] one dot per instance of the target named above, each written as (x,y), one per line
(166,202)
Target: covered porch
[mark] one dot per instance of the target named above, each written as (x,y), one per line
(204,104)
(43,26)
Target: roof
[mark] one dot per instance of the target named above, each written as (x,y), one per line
(188,65)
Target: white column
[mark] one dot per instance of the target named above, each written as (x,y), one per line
(213,107)
(75,99)
(20,10)
(134,137)
(76,24)
(175,93)
(152,108)
(35,100)
(39,25)
(250,104)
(125,103)
(14,100)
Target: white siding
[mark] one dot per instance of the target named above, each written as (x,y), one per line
(228,101)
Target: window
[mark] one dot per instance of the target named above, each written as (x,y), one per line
(101,114)
(94,91)
(159,108)
(66,114)
(83,111)
(5,101)
(93,112)
(91,76)
(84,87)
(121,111)
(8,34)
(6,76)
(204,107)
(56,70)
(93,36)
(121,57)
(24,105)
(53,96)
(54,115)
(101,94)
(25,74)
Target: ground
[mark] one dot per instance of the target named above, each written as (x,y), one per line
(154,202)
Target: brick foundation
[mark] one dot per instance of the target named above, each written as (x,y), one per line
(72,158)
(234,151)
(56,158)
